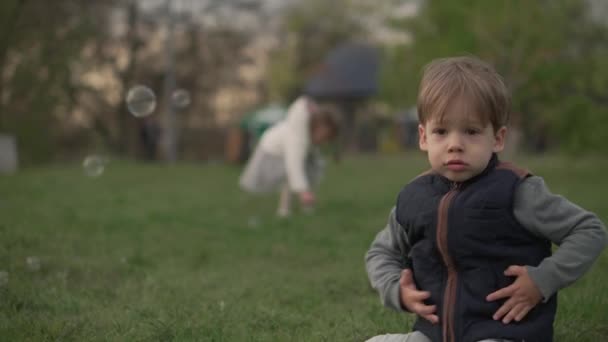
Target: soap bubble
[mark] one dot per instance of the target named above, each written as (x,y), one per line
(3,278)
(253,222)
(180,98)
(308,209)
(94,165)
(141,101)
(33,263)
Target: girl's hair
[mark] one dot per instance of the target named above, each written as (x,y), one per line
(466,81)
(327,114)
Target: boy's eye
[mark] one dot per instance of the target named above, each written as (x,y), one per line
(471,131)
(439,131)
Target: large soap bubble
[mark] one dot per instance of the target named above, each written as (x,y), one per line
(141,101)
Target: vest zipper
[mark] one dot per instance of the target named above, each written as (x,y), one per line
(449,295)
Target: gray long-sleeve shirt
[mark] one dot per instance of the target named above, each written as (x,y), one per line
(580,235)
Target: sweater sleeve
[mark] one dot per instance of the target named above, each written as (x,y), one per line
(580,235)
(385,260)
(296,146)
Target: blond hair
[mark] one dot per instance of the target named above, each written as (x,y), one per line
(469,80)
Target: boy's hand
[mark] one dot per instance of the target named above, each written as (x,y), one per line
(523,296)
(413,300)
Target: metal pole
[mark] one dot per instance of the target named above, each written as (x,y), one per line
(170,133)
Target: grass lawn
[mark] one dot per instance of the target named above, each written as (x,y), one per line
(160,253)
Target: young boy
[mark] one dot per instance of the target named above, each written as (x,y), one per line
(467,247)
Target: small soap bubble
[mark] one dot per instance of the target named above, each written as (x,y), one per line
(141,101)
(181,98)
(3,278)
(94,165)
(33,263)
(253,222)
(308,209)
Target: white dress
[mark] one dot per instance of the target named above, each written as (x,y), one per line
(285,155)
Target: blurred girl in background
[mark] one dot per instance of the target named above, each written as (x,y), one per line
(287,157)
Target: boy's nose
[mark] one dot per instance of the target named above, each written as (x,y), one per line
(455,143)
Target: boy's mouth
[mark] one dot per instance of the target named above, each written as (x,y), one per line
(456,165)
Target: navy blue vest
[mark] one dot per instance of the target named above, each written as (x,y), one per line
(463,237)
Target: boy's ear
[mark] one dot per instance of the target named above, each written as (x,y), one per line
(499,139)
(422,138)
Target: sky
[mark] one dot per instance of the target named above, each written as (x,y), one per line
(240,14)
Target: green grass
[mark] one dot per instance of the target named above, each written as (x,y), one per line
(160,253)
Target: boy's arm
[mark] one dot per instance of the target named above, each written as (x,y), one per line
(385,260)
(580,234)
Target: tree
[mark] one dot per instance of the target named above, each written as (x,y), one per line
(309,30)
(551,53)
(38,43)
(66,71)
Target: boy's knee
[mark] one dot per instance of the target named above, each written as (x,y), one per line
(411,337)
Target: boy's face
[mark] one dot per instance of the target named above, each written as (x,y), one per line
(460,146)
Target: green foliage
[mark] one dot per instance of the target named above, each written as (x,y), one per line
(147,252)
(38,47)
(41,43)
(552,55)
(310,29)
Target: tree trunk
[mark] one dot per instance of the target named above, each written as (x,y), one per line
(4,47)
